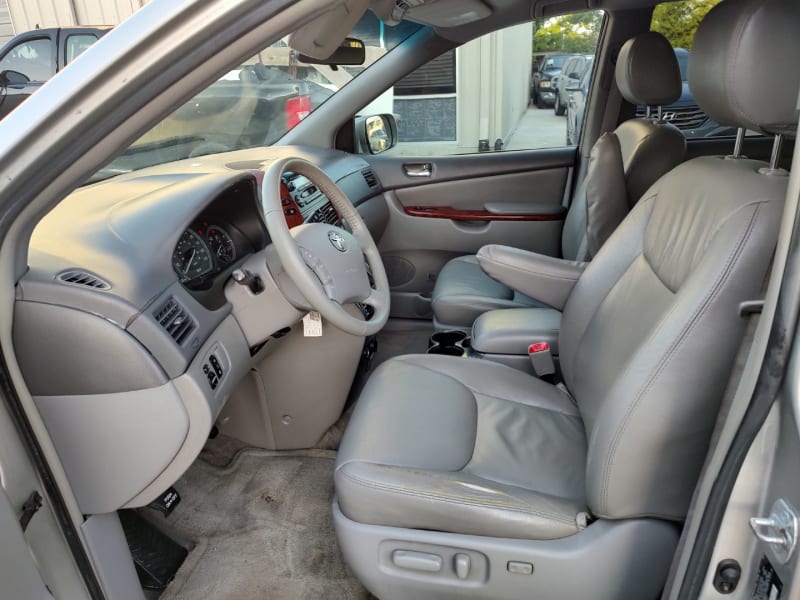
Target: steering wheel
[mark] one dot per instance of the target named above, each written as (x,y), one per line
(326,262)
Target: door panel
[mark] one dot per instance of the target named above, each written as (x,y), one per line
(512,198)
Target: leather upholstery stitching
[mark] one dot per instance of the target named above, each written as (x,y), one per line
(475,391)
(575,414)
(679,340)
(656,273)
(579,342)
(449,498)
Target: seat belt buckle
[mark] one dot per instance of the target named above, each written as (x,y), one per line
(541,359)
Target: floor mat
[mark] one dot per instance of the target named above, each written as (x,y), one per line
(261,528)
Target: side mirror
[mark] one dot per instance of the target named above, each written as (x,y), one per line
(13,78)
(571,88)
(351,52)
(376,134)
(574,75)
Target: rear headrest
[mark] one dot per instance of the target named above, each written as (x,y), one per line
(743,71)
(647,71)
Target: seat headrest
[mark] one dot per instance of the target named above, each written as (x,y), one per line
(647,70)
(742,71)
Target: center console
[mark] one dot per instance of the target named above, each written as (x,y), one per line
(301,197)
(503,336)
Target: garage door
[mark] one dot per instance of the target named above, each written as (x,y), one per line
(6,29)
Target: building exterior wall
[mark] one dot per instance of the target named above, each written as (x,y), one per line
(30,14)
(6,28)
(105,12)
(493,74)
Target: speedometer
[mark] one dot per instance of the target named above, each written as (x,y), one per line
(191,258)
(221,244)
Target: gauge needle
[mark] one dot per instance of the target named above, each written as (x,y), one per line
(189,261)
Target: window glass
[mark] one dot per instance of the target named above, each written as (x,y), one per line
(32,58)
(678,22)
(508,90)
(258,101)
(77,44)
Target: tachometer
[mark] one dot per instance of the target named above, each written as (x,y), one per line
(221,244)
(192,257)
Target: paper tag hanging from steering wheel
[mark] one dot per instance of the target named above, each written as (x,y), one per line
(312,324)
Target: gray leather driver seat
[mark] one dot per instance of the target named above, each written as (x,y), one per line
(623,164)
(466,478)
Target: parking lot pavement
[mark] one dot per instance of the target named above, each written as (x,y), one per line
(538,128)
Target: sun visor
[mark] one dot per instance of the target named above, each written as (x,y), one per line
(322,36)
(448,13)
(436,13)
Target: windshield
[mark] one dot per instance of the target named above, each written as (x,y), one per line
(254,104)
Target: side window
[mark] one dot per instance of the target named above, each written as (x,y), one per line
(32,58)
(77,44)
(678,22)
(495,93)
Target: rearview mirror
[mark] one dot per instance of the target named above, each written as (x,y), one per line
(376,134)
(13,78)
(351,52)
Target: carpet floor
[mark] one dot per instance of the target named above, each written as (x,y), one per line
(261,528)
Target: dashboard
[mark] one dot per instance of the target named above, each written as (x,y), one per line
(128,280)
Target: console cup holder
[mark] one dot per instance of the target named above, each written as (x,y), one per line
(450,343)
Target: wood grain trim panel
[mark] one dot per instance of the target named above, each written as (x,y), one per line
(455,214)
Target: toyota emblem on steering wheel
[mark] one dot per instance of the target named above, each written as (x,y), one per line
(337,241)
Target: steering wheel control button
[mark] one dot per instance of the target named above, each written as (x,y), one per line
(337,241)
(461,563)
(519,568)
(417,561)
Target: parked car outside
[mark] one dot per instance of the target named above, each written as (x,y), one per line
(576,107)
(33,57)
(684,113)
(569,76)
(548,68)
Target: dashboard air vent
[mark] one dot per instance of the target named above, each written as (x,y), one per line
(369,177)
(82,278)
(175,319)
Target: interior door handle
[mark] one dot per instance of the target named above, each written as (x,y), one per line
(418,169)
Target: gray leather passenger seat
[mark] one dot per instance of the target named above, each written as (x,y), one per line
(466,478)
(623,164)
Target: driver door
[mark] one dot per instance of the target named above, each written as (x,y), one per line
(34,60)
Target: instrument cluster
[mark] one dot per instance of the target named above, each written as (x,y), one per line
(204,250)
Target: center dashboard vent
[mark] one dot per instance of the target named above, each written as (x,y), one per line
(83,278)
(175,320)
(369,177)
